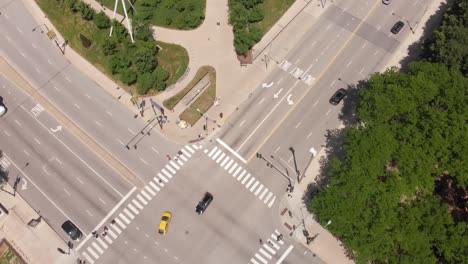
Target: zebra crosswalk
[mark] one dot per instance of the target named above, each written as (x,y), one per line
(127,214)
(241,175)
(266,252)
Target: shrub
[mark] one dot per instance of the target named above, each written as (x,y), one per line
(144,33)
(119,30)
(86,11)
(128,76)
(86,42)
(109,47)
(161,74)
(118,63)
(145,59)
(146,81)
(102,20)
(72,5)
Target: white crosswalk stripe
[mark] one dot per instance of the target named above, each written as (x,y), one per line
(246,178)
(147,196)
(212,151)
(135,202)
(109,241)
(179,162)
(150,190)
(87,257)
(273,243)
(113,235)
(254,261)
(142,199)
(250,182)
(174,165)
(134,210)
(271,202)
(166,174)
(263,193)
(220,157)
(162,177)
(216,154)
(104,245)
(237,171)
(260,258)
(254,186)
(91,251)
(268,197)
(265,253)
(225,160)
(241,175)
(154,185)
(232,168)
(228,165)
(269,248)
(259,189)
(120,223)
(95,245)
(128,213)
(124,218)
(182,157)
(170,169)
(189,149)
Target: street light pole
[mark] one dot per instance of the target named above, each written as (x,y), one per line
(269,163)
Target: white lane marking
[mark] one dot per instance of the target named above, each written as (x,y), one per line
(87,95)
(332,84)
(265,118)
(131,131)
(97,123)
(25,152)
(298,124)
(68,79)
(67,192)
(48,61)
(280,80)
(35,139)
(298,60)
(77,106)
(120,141)
(37,70)
(328,112)
(285,254)
(243,121)
(55,87)
(231,150)
(9,134)
(22,54)
(78,179)
(101,200)
(144,161)
(155,150)
(308,136)
(261,101)
(90,214)
(109,113)
(349,63)
(364,45)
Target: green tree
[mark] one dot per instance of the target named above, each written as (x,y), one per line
(119,30)
(86,11)
(161,74)
(109,46)
(146,81)
(145,59)
(102,21)
(128,76)
(118,63)
(143,32)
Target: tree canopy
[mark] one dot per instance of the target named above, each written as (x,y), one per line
(399,194)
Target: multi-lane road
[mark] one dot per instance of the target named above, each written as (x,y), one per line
(66,178)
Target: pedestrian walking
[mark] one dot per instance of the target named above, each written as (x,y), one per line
(104,233)
(270,243)
(105,228)
(112,222)
(261,241)
(168,157)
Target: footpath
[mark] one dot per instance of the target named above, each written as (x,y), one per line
(40,244)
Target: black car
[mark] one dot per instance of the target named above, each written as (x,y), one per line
(72,231)
(203,204)
(338,96)
(397,27)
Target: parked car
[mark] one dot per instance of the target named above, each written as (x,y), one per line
(72,230)
(386,2)
(164,223)
(203,204)
(2,110)
(338,96)
(397,27)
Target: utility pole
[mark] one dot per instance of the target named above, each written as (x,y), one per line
(271,165)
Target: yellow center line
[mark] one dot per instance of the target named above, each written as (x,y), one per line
(318,79)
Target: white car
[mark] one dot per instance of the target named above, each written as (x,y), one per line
(2,110)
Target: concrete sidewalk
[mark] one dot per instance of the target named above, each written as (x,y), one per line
(37,244)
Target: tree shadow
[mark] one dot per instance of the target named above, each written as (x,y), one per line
(418,50)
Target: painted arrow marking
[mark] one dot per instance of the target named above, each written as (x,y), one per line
(264,85)
(290,102)
(59,128)
(25,184)
(278,93)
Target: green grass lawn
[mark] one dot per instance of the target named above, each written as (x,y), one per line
(173,58)
(166,13)
(274,10)
(203,102)
(8,256)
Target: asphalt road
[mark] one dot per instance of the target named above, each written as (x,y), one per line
(59,176)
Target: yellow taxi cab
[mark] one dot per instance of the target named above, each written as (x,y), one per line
(164,223)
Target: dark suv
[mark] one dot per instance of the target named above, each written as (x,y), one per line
(397,27)
(338,96)
(203,204)
(72,231)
